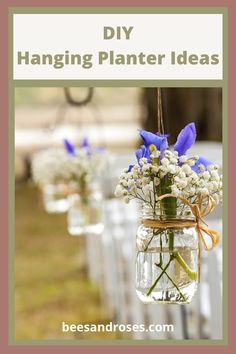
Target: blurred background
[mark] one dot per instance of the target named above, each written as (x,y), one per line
(90,279)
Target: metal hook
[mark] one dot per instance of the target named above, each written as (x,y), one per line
(76,103)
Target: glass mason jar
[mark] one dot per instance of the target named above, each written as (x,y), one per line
(55,197)
(167,269)
(85,212)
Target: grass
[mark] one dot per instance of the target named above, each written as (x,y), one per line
(51,283)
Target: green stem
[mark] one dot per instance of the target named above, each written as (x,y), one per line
(172,281)
(171,240)
(168,207)
(146,248)
(154,234)
(83,189)
(157,280)
(168,210)
(192,274)
(161,260)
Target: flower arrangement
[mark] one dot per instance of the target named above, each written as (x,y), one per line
(84,212)
(86,162)
(160,170)
(176,192)
(67,165)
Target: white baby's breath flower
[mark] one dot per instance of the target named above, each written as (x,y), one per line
(56,165)
(182,183)
(127,199)
(155,154)
(182,174)
(167,153)
(146,168)
(130,183)
(175,191)
(194,177)
(165,162)
(204,191)
(176,154)
(135,174)
(206,175)
(215,185)
(171,169)
(173,161)
(201,183)
(124,175)
(214,175)
(163,171)
(145,177)
(177,179)
(142,161)
(186,169)
(155,169)
(183,158)
(191,162)
(119,191)
(124,192)
(201,167)
(192,191)
(145,181)
(124,183)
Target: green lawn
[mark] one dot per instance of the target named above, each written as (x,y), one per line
(51,283)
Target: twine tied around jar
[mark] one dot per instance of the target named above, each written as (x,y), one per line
(198,211)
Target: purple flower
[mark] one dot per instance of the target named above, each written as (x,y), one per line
(69,147)
(160,141)
(86,146)
(201,161)
(85,143)
(186,139)
(130,167)
(143,151)
(100,150)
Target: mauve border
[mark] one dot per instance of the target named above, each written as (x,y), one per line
(4,125)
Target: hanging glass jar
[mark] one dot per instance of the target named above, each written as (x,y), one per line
(55,197)
(85,212)
(167,260)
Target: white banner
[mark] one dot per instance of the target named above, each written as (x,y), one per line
(118,46)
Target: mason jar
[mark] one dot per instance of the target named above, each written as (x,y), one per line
(85,212)
(55,197)
(167,259)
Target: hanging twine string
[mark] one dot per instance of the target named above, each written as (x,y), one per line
(199,211)
(160,124)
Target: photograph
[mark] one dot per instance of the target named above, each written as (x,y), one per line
(118,213)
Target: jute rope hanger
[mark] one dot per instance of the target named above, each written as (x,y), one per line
(160,123)
(198,210)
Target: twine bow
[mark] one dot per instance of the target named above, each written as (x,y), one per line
(199,211)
